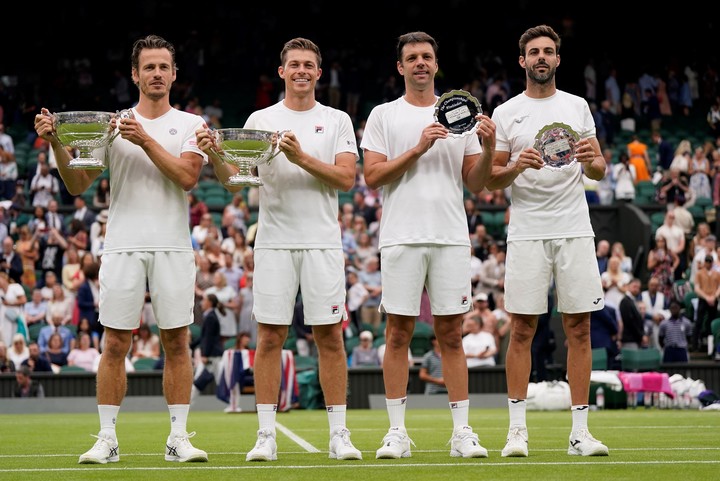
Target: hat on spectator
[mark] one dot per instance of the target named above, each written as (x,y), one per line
(103,216)
(481,296)
(366,335)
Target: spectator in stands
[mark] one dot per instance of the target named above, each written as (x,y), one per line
(614,282)
(304,246)
(604,334)
(625,175)
(618,250)
(246,323)
(55,353)
(25,386)
(88,297)
(19,350)
(198,209)
(84,354)
(229,299)
(208,348)
(707,247)
(602,253)
(48,281)
(13,301)
(492,278)
(365,354)
(707,288)
(27,247)
(675,237)
(681,160)
(662,263)
(200,230)
(431,372)
(35,310)
(43,187)
(356,296)
(79,237)
(83,327)
(83,213)
(6,364)
(101,197)
(674,333)
(35,361)
(713,118)
(60,307)
(146,344)
(639,158)
(8,165)
(633,323)
(72,275)
(371,278)
(657,309)
(238,211)
(97,225)
(10,262)
(478,344)
(665,150)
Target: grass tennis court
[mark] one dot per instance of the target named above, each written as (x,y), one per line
(644,444)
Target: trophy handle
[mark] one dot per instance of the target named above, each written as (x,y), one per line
(119,115)
(215,135)
(276,148)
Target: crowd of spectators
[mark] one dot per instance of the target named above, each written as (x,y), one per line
(52,242)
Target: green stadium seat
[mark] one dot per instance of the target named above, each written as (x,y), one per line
(638,360)
(145,364)
(599,359)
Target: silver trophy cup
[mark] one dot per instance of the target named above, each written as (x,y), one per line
(90,132)
(246,149)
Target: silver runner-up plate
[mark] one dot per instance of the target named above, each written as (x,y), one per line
(456,110)
(556,143)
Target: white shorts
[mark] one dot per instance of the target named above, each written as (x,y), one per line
(279,273)
(443,270)
(171,280)
(531,266)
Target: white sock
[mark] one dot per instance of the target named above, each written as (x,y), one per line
(266,416)
(178,418)
(396,411)
(108,418)
(336,417)
(459,412)
(579,417)
(517,408)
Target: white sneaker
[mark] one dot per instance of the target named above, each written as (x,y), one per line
(265,447)
(396,444)
(465,444)
(341,447)
(105,450)
(178,448)
(517,443)
(583,444)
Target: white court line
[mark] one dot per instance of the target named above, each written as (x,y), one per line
(300,441)
(473,465)
(239,453)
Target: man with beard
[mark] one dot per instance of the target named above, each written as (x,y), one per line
(546,143)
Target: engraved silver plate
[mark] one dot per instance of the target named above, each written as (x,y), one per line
(457,110)
(556,143)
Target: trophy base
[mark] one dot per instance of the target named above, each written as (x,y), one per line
(248,180)
(86,164)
